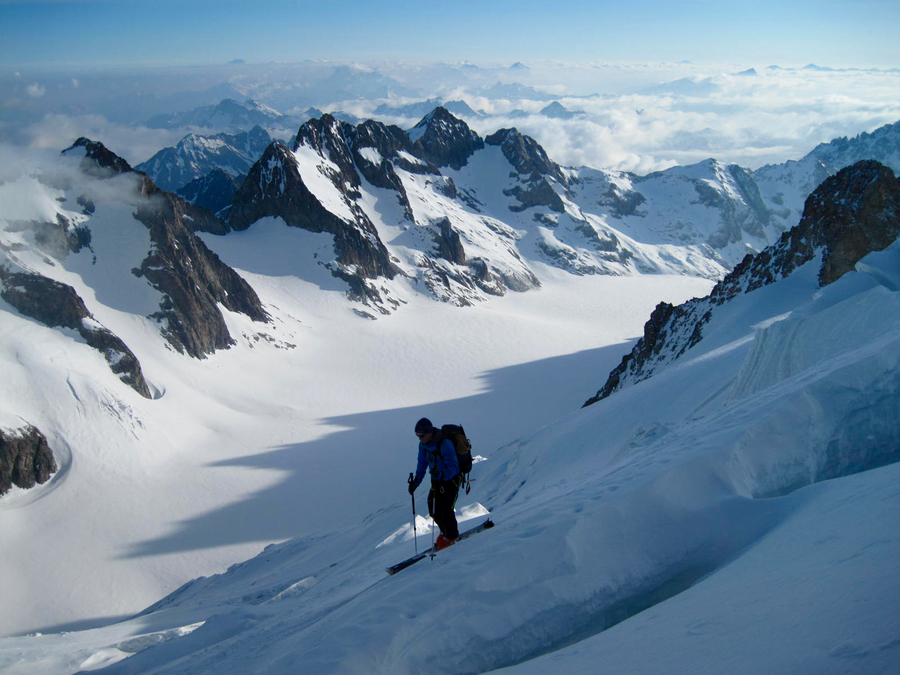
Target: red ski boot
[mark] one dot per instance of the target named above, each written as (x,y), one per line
(442,542)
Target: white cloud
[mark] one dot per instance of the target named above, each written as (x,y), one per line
(35,90)
(630,122)
(134,144)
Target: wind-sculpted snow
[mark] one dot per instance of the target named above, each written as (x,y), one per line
(672,496)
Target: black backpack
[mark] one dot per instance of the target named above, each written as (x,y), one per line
(463,446)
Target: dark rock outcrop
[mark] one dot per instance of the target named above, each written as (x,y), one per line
(533,167)
(450,246)
(98,160)
(328,137)
(854,213)
(850,215)
(192,279)
(55,304)
(25,458)
(444,140)
(526,155)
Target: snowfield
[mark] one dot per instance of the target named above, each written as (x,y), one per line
(737,512)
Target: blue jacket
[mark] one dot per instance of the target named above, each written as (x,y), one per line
(442,464)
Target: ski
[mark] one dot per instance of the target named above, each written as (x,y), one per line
(486,525)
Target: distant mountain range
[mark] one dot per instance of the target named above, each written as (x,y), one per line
(227,115)
(490,205)
(195,156)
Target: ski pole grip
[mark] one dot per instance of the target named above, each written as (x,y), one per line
(411,479)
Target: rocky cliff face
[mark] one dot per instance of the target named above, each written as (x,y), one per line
(97,160)
(274,187)
(328,182)
(191,278)
(849,216)
(471,218)
(25,458)
(58,305)
(536,172)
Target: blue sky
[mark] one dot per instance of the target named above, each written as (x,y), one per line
(839,33)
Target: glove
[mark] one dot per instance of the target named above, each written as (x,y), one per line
(412,488)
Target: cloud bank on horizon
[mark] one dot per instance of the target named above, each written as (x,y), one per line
(634,117)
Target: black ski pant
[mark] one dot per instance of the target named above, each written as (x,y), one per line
(441,502)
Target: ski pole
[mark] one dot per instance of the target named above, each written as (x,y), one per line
(413,498)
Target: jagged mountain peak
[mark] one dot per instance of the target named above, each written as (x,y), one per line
(98,156)
(191,279)
(445,140)
(270,175)
(525,154)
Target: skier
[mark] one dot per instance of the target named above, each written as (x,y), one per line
(438,455)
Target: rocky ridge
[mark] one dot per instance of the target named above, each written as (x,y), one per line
(55,304)
(191,278)
(850,215)
(459,249)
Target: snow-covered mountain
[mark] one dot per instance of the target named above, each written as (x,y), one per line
(196,156)
(226,115)
(785,187)
(73,233)
(850,215)
(735,510)
(660,496)
(464,215)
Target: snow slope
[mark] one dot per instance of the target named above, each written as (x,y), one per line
(735,513)
(258,443)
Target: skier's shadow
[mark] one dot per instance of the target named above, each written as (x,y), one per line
(339,480)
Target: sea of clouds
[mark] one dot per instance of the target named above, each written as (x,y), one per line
(627,116)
